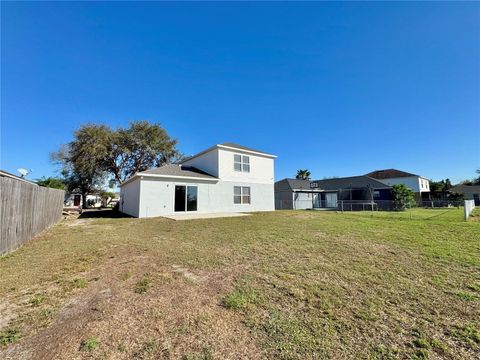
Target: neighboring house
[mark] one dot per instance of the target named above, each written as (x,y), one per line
(295,194)
(75,200)
(470,192)
(418,184)
(223,178)
(354,191)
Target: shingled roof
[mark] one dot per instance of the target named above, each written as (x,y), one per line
(241,147)
(230,145)
(351,182)
(178,170)
(389,174)
(466,189)
(293,184)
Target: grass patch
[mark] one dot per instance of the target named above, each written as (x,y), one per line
(382,352)
(466,296)
(126,275)
(148,349)
(474,287)
(79,283)
(90,344)
(242,297)
(143,285)
(10,336)
(312,284)
(469,334)
(205,354)
(37,299)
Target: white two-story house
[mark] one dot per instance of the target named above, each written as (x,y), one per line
(223,178)
(418,184)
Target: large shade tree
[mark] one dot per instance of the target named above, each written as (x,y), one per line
(99,152)
(81,159)
(137,148)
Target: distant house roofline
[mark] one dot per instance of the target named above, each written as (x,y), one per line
(391,174)
(12,176)
(231,146)
(173,171)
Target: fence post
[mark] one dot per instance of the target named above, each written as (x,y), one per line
(468,208)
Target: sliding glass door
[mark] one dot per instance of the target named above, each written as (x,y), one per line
(186,198)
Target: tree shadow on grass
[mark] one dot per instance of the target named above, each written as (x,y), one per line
(102,213)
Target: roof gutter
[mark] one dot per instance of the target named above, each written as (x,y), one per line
(141,176)
(219,146)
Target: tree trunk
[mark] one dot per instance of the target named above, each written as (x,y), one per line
(84,199)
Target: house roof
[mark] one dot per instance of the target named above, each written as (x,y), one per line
(352,182)
(177,171)
(293,184)
(241,147)
(389,174)
(229,145)
(13,176)
(462,188)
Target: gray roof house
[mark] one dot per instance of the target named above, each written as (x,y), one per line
(329,193)
(224,178)
(470,192)
(294,194)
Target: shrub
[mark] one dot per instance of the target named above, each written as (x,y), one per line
(403,197)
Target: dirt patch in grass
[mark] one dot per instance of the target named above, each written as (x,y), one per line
(181,315)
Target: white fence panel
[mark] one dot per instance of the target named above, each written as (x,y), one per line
(469,206)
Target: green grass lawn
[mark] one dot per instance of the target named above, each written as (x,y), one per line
(286,285)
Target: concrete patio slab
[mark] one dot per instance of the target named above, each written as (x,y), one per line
(204,216)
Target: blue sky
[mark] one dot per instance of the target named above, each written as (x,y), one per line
(338,88)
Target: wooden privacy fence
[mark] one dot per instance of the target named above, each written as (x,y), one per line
(25,210)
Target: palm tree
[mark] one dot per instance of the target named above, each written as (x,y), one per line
(303,174)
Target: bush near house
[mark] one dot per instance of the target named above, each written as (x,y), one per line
(403,197)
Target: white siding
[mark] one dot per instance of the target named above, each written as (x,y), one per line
(154,196)
(261,168)
(158,196)
(130,198)
(207,162)
(416,183)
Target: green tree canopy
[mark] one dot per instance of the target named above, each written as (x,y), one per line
(303,174)
(51,182)
(137,148)
(440,186)
(403,197)
(98,152)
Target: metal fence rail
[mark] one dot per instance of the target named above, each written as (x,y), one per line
(359,205)
(25,210)
(384,208)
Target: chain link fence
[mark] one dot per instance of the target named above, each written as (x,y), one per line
(425,209)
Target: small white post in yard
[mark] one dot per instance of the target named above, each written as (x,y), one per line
(469,206)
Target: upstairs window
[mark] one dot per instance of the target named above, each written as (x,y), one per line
(241,195)
(241,163)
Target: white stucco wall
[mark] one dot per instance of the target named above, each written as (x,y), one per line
(415,183)
(261,167)
(207,162)
(130,198)
(158,197)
